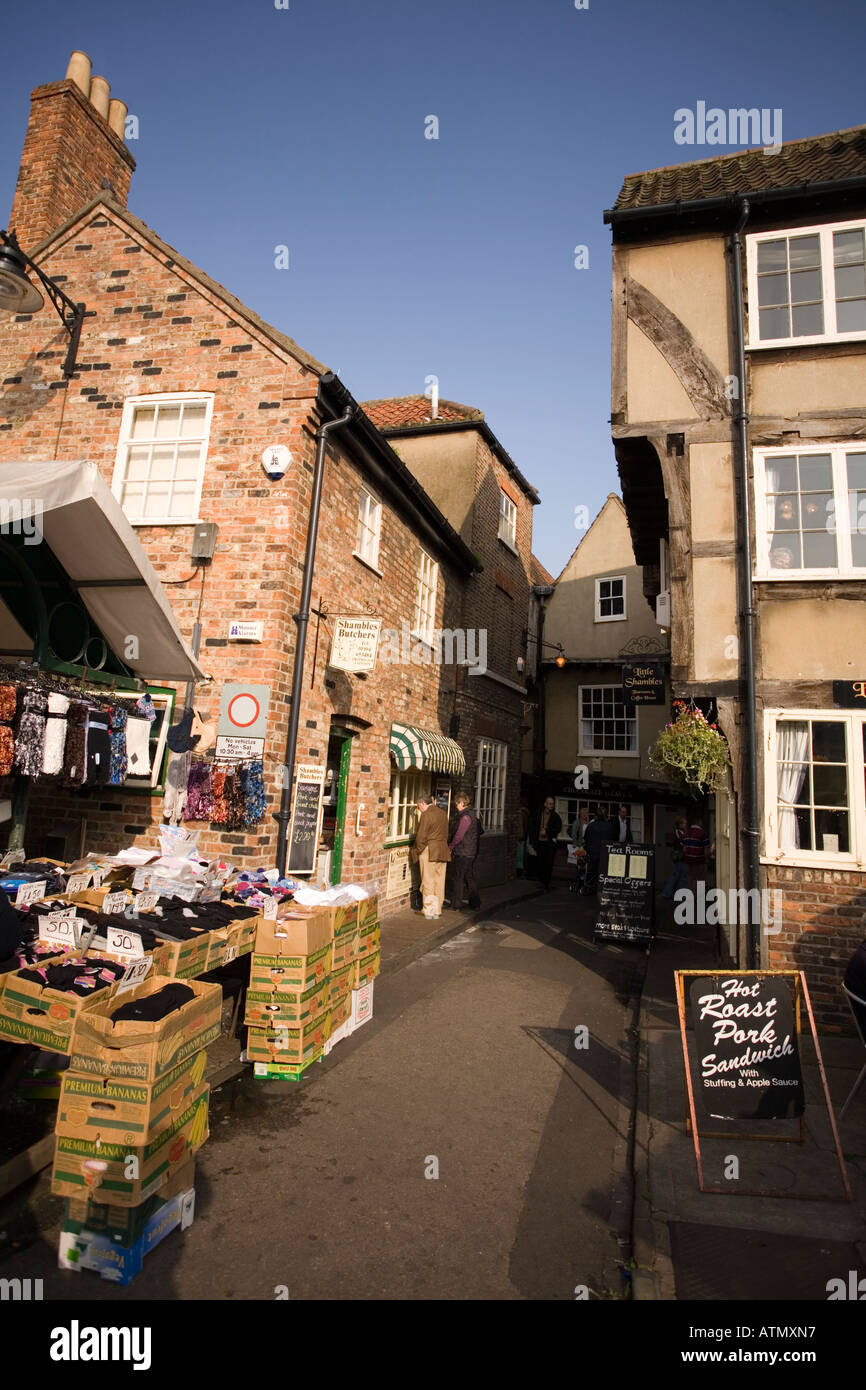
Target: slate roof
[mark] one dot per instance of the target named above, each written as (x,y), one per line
(819,159)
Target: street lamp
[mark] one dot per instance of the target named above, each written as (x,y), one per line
(18,295)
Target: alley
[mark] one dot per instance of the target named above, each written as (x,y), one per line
(469,1065)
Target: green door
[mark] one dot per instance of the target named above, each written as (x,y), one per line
(342,796)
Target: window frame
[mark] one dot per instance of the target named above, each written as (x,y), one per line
(373,563)
(762,572)
(125,441)
(611,617)
(412,782)
(424,622)
(164,699)
(564,803)
(772,853)
(824,230)
(630,719)
(490,792)
(509,519)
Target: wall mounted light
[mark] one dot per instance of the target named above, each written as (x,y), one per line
(18,295)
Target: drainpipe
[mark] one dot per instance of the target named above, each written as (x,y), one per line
(749,826)
(283,816)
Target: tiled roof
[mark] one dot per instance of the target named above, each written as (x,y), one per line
(538,573)
(819,159)
(397,412)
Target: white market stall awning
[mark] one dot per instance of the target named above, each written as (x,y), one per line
(85,528)
(426,749)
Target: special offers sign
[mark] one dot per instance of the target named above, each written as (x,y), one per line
(355,644)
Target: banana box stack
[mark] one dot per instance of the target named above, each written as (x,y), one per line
(288,1003)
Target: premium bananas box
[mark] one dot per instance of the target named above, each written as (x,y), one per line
(341,981)
(134,1049)
(129,1111)
(345,945)
(45,1017)
(242,935)
(182,960)
(267,1008)
(293,936)
(289,1045)
(368,910)
(366,969)
(294,974)
(286,1071)
(126,1174)
(368,938)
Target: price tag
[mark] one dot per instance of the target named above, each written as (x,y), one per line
(13,856)
(31,893)
(231,952)
(269,910)
(78,883)
(134,974)
(98,876)
(114,902)
(145,902)
(124,943)
(60,929)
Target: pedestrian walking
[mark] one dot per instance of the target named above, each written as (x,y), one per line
(622,827)
(545,827)
(431,851)
(598,833)
(578,831)
(695,846)
(679,874)
(464,845)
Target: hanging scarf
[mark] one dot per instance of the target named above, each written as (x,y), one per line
(30,735)
(199,792)
(75,749)
(98,746)
(253,786)
(176,779)
(137,747)
(55,733)
(119,763)
(235,800)
(8,703)
(220,809)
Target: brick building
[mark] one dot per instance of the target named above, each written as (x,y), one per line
(178,392)
(459,461)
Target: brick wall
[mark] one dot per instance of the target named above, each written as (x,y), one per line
(823,914)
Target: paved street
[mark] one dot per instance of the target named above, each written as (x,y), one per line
(469,1063)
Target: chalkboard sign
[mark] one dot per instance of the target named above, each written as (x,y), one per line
(626,894)
(746,1041)
(306,817)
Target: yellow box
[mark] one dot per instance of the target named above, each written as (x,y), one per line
(368,909)
(126,1111)
(133,1048)
(366,969)
(269,1008)
(368,938)
(345,945)
(289,1045)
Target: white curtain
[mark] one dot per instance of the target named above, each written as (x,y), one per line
(792,744)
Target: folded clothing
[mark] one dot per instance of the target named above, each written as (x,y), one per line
(182,920)
(152,1007)
(79,975)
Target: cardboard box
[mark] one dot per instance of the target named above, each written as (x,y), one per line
(289,1045)
(366,969)
(45,1017)
(265,1008)
(368,909)
(339,918)
(337,1035)
(129,1112)
(126,1174)
(290,1071)
(293,936)
(341,980)
(242,936)
(298,973)
(120,1263)
(362,1005)
(345,948)
(221,948)
(368,938)
(182,960)
(341,1010)
(124,1225)
(141,1051)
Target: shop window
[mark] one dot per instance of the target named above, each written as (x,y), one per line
(490,783)
(807,286)
(507,520)
(605,724)
(814,794)
(369,529)
(425,607)
(569,808)
(811,512)
(405,789)
(159,469)
(610,599)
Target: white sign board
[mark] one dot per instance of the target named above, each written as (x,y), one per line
(246,632)
(399,873)
(60,929)
(243,748)
(355,643)
(243,710)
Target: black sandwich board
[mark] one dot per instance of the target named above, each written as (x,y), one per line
(626,895)
(306,813)
(748,1059)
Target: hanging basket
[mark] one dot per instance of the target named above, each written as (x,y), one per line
(691,752)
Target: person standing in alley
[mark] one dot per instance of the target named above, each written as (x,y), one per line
(431,851)
(464,844)
(599,833)
(679,874)
(543,833)
(695,845)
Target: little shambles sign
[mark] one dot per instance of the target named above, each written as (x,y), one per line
(643,684)
(746,1040)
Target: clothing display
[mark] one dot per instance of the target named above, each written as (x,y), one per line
(8,703)
(220,808)
(199,792)
(75,975)
(55,733)
(138,746)
(98,747)
(75,750)
(176,778)
(30,734)
(152,1007)
(119,763)
(179,737)
(146,708)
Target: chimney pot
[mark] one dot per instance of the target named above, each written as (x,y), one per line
(78,71)
(100,92)
(117,116)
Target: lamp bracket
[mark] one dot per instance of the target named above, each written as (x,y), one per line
(71,314)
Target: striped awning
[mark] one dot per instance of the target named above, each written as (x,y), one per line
(426,749)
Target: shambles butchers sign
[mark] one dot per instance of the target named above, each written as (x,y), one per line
(355,644)
(746,1040)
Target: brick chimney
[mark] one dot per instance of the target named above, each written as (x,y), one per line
(74,143)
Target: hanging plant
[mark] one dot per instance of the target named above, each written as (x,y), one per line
(691,752)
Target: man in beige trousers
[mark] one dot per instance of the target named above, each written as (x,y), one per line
(431,851)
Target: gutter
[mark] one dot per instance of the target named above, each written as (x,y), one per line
(732,202)
(391,473)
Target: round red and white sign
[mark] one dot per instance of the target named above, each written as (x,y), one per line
(243,710)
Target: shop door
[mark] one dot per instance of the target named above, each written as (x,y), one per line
(339,757)
(663,826)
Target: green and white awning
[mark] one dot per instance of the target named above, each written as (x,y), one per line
(426,749)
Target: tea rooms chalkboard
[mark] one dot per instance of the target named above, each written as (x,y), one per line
(626,894)
(306,819)
(748,1061)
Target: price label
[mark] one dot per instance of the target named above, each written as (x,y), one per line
(124,943)
(114,902)
(31,893)
(231,952)
(60,929)
(269,910)
(98,875)
(134,974)
(13,856)
(78,883)
(145,902)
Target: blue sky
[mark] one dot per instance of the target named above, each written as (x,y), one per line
(305,127)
